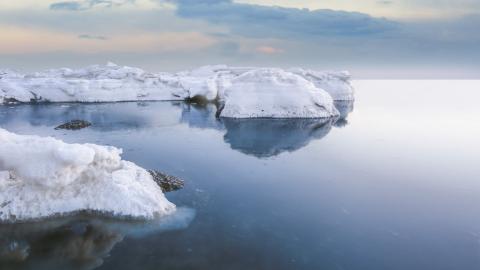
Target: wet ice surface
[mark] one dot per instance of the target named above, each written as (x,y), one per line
(394,185)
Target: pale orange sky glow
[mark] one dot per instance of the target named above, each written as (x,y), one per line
(392,37)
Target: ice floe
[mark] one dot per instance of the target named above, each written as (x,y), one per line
(274,93)
(43,176)
(241,92)
(337,84)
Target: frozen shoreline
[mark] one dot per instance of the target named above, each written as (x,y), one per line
(242,92)
(43,176)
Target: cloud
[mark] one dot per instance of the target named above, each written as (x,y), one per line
(17,40)
(278,22)
(268,50)
(86,36)
(67,6)
(219,35)
(87,4)
(187,33)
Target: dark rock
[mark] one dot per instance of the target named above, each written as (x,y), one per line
(200,100)
(166,182)
(74,125)
(10,101)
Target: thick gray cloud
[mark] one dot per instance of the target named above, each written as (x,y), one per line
(279,22)
(322,39)
(354,36)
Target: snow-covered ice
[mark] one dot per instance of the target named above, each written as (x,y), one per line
(43,176)
(274,93)
(240,91)
(337,84)
(110,83)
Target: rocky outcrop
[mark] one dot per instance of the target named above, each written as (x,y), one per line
(74,125)
(166,182)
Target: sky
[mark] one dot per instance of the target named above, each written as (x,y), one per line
(373,39)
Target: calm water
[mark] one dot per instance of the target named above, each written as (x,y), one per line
(393,185)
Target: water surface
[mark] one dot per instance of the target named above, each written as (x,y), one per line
(393,184)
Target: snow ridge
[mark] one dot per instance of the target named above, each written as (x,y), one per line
(240,91)
(43,176)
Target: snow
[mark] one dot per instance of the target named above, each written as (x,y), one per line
(337,84)
(113,83)
(43,176)
(110,83)
(202,82)
(275,93)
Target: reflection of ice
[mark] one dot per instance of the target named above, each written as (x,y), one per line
(344,107)
(270,137)
(103,116)
(76,242)
(258,137)
(179,220)
(200,116)
(262,137)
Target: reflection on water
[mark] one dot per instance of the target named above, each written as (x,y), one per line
(256,137)
(265,137)
(86,242)
(104,116)
(397,188)
(77,242)
(200,116)
(270,137)
(344,107)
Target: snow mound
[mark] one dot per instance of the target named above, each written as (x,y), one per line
(43,176)
(113,83)
(110,83)
(208,81)
(337,84)
(275,93)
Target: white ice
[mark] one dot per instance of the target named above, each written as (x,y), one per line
(337,84)
(113,83)
(274,93)
(43,176)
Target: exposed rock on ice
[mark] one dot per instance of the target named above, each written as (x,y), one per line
(43,176)
(244,91)
(74,125)
(166,182)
